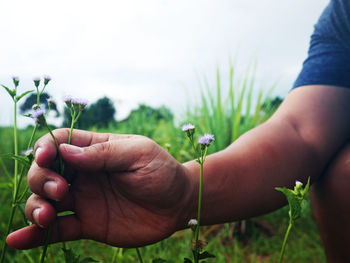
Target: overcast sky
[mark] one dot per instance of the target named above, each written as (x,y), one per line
(149,51)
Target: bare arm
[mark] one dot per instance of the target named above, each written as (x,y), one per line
(301,138)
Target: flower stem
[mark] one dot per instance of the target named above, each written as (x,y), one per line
(61,170)
(15,196)
(16,149)
(285,241)
(47,240)
(15,182)
(139,255)
(58,150)
(201,162)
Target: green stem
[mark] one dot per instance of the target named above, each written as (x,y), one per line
(37,96)
(23,168)
(70,132)
(285,241)
(48,237)
(16,150)
(115,254)
(201,162)
(139,255)
(61,169)
(58,150)
(199,211)
(9,225)
(14,201)
(15,186)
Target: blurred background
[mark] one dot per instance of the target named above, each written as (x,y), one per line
(151,52)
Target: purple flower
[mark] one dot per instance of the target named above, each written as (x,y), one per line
(79,103)
(68,100)
(39,116)
(51,101)
(188,127)
(206,139)
(46,79)
(28,152)
(36,81)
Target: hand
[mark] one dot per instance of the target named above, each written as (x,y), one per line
(125,190)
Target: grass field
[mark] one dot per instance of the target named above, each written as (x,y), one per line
(227,116)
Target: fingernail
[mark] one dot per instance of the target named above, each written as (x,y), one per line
(50,188)
(73,149)
(37,152)
(36,213)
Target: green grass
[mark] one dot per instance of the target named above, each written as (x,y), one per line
(226,112)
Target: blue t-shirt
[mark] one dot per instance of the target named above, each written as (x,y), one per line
(328,61)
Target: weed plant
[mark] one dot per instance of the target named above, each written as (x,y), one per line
(227,116)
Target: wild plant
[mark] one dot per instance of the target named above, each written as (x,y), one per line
(200,151)
(76,107)
(24,159)
(296,200)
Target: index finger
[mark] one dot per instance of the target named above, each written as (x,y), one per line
(45,149)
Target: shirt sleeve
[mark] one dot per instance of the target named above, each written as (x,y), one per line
(328,61)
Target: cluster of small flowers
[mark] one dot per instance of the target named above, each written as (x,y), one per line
(77,103)
(204,141)
(38,79)
(39,116)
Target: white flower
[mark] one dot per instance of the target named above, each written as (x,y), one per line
(192,222)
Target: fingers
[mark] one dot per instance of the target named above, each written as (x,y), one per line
(42,212)
(113,155)
(65,228)
(45,149)
(47,183)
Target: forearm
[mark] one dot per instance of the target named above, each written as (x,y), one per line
(239,182)
(297,142)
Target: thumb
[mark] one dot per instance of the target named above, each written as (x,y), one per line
(105,156)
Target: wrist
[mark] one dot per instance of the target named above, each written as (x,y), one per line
(189,200)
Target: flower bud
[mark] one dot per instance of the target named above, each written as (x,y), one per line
(36,81)
(46,79)
(35,107)
(68,100)
(189,129)
(39,117)
(15,81)
(50,102)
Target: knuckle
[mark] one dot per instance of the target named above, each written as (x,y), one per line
(30,205)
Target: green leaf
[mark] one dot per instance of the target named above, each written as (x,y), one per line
(23,94)
(306,189)
(158,260)
(205,254)
(11,92)
(294,202)
(187,260)
(69,256)
(28,115)
(22,159)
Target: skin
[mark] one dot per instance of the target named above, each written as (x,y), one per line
(127,191)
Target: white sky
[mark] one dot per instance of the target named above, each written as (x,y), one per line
(149,51)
